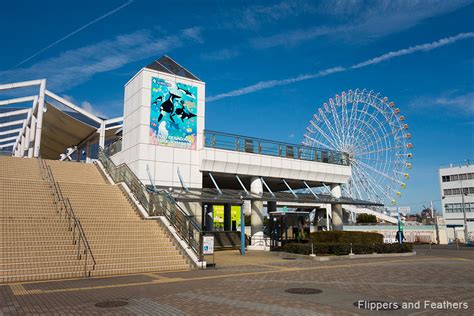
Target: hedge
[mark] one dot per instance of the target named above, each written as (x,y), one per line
(345,248)
(346,237)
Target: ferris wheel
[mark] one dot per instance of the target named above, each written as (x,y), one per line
(373,133)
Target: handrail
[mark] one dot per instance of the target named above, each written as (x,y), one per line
(72,221)
(233,142)
(159,202)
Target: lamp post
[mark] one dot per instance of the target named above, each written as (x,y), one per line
(466,235)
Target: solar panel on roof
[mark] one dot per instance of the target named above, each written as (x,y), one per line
(168,65)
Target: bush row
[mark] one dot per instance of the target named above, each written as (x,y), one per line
(344,248)
(346,237)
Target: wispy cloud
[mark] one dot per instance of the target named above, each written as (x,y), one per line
(76,66)
(390,55)
(75,32)
(457,103)
(253,17)
(194,33)
(222,54)
(362,20)
(417,48)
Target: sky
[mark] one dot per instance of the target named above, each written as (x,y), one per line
(268,65)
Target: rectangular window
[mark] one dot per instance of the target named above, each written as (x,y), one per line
(445,178)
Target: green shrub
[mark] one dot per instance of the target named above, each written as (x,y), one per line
(339,236)
(339,249)
(366,218)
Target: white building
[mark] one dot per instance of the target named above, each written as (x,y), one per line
(457,196)
(162,138)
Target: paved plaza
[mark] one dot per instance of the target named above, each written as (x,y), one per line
(256,285)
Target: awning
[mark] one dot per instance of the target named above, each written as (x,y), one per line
(208,195)
(61,131)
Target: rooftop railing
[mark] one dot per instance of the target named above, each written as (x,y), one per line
(219,140)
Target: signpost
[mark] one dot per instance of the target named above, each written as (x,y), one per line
(208,247)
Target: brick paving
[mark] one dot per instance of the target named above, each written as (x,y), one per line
(255,285)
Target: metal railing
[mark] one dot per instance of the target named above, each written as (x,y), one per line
(65,210)
(156,203)
(259,146)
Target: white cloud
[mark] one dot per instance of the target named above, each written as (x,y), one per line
(410,50)
(194,33)
(273,83)
(452,101)
(362,20)
(253,17)
(91,109)
(77,66)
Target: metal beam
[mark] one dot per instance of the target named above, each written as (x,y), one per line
(15,112)
(114,127)
(114,120)
(21,84)
(266,186)
(311,190)
(11,131)
(17,100)
(39,119)
(12,123)
(215,183)
(242,185)
(8,139)
(182,181)
(7,145)
(72,106)
(289,188)
(329,190)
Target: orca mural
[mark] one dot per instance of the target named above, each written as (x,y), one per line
(173,114)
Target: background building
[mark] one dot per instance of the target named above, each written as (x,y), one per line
(457,191)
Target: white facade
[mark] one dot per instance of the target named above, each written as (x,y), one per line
(451,180)
(138,152)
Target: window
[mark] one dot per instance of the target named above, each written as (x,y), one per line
(445,178)
(454,177)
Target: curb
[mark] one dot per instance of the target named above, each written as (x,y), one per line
(362,256)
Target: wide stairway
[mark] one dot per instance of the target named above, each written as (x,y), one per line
(37,245)
(35,242)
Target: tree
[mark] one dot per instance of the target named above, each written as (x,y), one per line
(366,219)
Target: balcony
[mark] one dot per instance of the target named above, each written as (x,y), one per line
(219,140)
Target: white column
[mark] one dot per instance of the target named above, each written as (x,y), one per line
(27,140)
(32,137)
(39,119)
(88,152)
(256,217)
(102,135)
(256,187)
(22,146)
(336,209)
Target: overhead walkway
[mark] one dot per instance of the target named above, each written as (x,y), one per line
(362,210)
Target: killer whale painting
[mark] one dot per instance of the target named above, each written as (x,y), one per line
(173,114)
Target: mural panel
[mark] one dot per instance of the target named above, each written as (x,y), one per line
(173,114)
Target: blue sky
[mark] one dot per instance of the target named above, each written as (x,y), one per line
(88,51)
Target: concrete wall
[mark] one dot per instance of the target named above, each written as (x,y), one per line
(137,148)
(225,161)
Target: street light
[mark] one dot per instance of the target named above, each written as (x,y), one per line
(466,235)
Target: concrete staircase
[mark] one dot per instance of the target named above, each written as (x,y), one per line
(35,243)
(120,240)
